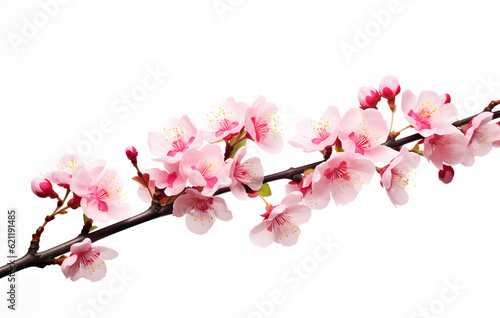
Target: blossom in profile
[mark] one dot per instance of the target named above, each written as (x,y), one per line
(206,168)
(481,135)
(395,177)
(368,97)
(430,113)
(261,125)
(281,222)
(363,132)
(200,210)
(101,194)
(87,261)
(42,188)
(226,120)
(342,176)
(170,145)
(318,135)
(245,173)
(389,88)
(67,166)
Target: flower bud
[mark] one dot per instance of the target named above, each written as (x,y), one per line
(446,174)
(389,88)
(131,153)
(447,98)
(368,97)
(42,188)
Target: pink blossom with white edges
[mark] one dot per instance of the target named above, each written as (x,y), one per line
(101,194)
(226,120)
(87,261)
(200,211)
(447,149)
(368,97)
(309,197)
(248,172)
(363,132)
(261,126)
(206,168)
(170,145)
(67,166)
(481,136)
(318,135)
(281,222)
(430,113)
(395,177)
(342,176)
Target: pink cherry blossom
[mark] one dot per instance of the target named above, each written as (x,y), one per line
(248,172)
(429,114)
(363,132)
(226,120)
(343,175)
(172,180)
(449,149)
(206,168)
(281,222)
(480,134)
(389,88)
(170,145)
(42,188)
(261,126)
(368,97)
(87,261)
(200,211)
(100,192)
(309,197)
(396,175)
(318,135)
(67,167)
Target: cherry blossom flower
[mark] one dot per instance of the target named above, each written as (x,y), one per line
(42,188)
(318,135)
(172,180)
(226,120)
(429,114)
(170,145)
(281,222)
(87,261)
(248,172)
(449,149)
(343,175)
(396,175)
(100,192)
(481,136)
(309,197)
(261,126)
(206,168)
(363,132)
(200,211)
(368,97)
(389,88)
(67,167)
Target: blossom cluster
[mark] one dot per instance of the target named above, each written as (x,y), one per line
(194,167)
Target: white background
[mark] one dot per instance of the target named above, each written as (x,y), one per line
(63,80)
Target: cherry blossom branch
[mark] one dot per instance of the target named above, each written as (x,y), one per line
(33,258)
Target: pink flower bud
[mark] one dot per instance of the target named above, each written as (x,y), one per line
(131,153)
(446,174)
(43,188)
(389,88)
(447,98)
(368,97)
